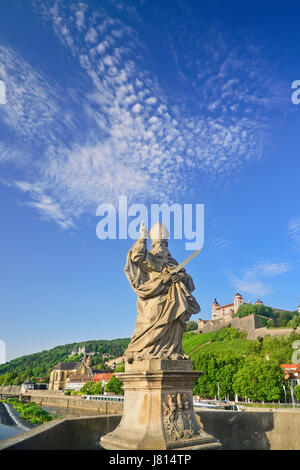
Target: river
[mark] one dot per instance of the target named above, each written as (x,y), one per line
(8,427)
(11,423)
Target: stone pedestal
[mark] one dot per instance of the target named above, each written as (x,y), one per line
(158,409)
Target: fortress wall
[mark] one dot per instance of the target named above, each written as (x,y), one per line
(247,324)
(275,331)
(251,325)
(217,326)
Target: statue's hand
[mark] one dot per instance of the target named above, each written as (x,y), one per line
(143,231)
(169,277)
(176,277)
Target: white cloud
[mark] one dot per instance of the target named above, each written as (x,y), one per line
(137,108)
(253,279)
(46,206)
(92,35)
(270,269)
(124,136)
(294,232)
(220,243)
(251,286)
(151,100)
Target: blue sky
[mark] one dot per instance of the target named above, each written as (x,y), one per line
(174,101)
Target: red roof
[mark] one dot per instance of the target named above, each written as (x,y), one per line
(291,367)
(290,370)
(102,376)
(224,306)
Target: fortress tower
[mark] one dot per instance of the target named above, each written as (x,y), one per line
(237,301)
(214,310)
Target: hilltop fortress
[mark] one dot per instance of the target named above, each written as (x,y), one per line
(225,315)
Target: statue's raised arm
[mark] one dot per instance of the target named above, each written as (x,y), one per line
(164,302)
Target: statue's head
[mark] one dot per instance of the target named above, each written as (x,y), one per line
(159,235)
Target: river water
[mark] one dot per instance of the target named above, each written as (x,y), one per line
(11,423)
(8,418)
(8,427)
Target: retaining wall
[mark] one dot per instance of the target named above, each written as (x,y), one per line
(251,325)
(57,399)
(271,430)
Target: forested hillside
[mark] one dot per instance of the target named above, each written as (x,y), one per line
(231,364)
(39,365)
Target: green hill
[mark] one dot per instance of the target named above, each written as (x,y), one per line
(228,341)
(230,363)
(39,365)
(233,364)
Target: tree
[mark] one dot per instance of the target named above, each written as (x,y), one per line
(120,367)
(259,380)
(92,388)
(114,386)
(294,322)
(284,318)
(218,374)
(297,392)
(191,326)
(270,323)
(248,309)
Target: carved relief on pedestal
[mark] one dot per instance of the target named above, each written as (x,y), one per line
(179,418)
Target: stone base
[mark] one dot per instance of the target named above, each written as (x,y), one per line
(158,409)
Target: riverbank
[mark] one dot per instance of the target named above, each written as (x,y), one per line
(28,412)
(15,416)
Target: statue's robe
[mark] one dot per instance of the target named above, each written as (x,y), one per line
(162,309)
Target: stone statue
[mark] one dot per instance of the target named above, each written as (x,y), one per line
(165,302)
(158,410)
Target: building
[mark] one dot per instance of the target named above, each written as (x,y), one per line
(221,315)
(73,375)
(79,350)
(291,373)
(27,385)
(222,312)
(64,371)
(224,315)
(76,381)
(103,377)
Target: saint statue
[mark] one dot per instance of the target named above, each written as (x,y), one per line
(165,302)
